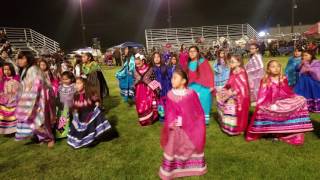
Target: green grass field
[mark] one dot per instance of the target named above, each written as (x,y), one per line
(136,153)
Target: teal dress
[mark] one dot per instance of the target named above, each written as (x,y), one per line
(203,92)
(292,70)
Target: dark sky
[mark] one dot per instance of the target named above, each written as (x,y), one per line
(116,21)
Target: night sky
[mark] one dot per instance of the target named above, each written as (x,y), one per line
(116,21)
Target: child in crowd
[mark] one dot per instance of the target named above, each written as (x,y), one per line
(147,91)
(255,72)
(88,123)
(8,100)
(292,68)
(201,79)
(308,84)
(51,81)
(234,99)
(279,111)
(174,63)
(221,70)
(183,136)
(125,75)
(163,76)
(64,104)
(34,113)
(94,75)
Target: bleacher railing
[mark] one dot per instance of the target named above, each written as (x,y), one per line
(28,39)
(188,36)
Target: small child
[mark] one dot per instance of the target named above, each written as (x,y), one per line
(88,121)
(279,110)
(255,71)
(8,100)
(308,84)
(163,76)
(125,76)
(174,63)
(234,99)
(147,91)
(292,68)
(51,81)
(64,104)
(221,70)
(184,133)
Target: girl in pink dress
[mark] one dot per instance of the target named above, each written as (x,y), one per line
(184,133)
(147,91)
(279,112)
(8,100)
(52,82)
(234,99)
(183,57)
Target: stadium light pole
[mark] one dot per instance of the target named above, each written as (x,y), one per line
(169,14)
(293,7)
(83,26)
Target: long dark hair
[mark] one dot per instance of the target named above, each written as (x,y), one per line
(218,55)
(237,57)
(182,48)
(30,61)
(11,67)
(199,56)
(256,46)
(174,56)
(90,56)
(312,53)
(130,53)
(78,61)
(89,91)
(47,69)
(163,66)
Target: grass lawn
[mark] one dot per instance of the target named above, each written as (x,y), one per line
(136,153)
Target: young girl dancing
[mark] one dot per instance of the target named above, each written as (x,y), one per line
(33,110)
(52,82)
(174,63)
(126,75)
(183,136)
(201,79)
(88,122)
(221,70)
(234,99)
(147,91)
(8,100)
(163,76)
(292,68)
(64,104)
(95,77)
(255,71)
(279,110)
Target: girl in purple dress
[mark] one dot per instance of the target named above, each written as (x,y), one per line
(163,76)
(255,71)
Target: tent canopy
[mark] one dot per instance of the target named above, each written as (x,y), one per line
(313,31)
(130,44)
(94,52)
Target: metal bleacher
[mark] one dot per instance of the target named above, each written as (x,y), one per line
(27,39)
(189,36)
